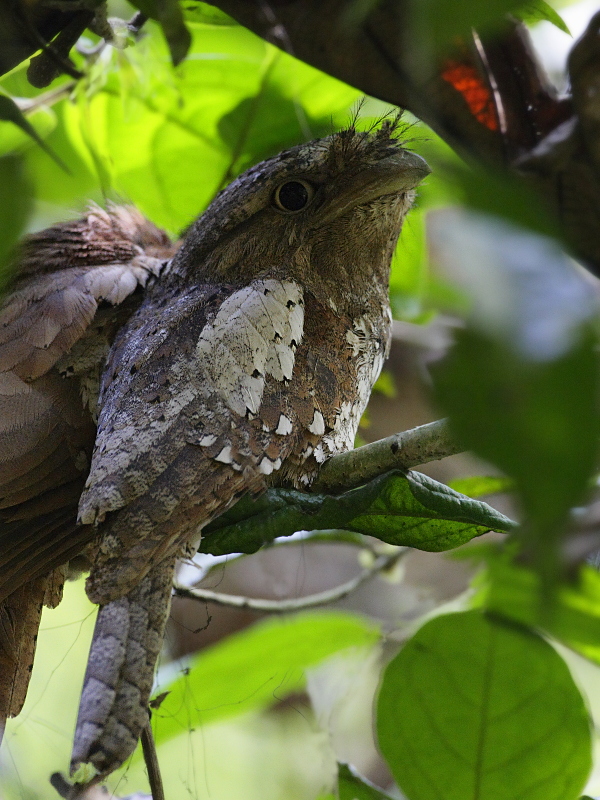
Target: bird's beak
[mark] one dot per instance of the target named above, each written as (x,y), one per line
(394,174)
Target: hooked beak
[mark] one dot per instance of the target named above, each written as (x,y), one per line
(395,174)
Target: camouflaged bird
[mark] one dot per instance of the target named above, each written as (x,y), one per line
(173,386)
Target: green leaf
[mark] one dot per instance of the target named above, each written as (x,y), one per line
(50,183)
(537,11)
(521,384)
(256,667)
(195,11)
(170,16)
(15,206)
(516,592)
(409,276)
(10,112)
(168,139)
(14,138)
(473,709)
(536,422)
(411,510)
(482,485)
(353,787)
(442,21)
(385,384)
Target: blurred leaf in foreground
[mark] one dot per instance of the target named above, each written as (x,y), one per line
(515,591)
(521,383)
(539,11)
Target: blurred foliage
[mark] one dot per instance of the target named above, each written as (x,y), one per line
(245,671)
(468,693)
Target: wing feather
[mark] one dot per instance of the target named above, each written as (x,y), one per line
(61,277)
(179,436)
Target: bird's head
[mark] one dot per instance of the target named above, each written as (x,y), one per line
(332,204)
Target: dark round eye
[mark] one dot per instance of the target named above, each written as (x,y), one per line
(293,195)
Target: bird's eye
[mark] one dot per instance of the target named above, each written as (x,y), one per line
(293,195)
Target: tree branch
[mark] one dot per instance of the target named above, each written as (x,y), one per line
(380,564)
(152,765)
(401,451)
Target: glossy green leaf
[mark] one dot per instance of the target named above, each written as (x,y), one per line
(474,709)
(255,667)
(352,787)
(538,11)
(411,510)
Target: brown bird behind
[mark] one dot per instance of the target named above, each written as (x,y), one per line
(74,286)
(246,360)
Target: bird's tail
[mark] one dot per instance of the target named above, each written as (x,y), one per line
(20,614)
(114,702)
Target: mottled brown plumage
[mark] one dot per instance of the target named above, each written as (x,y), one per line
(247,360)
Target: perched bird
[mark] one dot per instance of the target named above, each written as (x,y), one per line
(143,392)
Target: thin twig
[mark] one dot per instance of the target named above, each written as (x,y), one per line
(380,564)
(151,761)
(27,104)
(401,451)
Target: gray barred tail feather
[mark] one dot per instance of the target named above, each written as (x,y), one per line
(116,689)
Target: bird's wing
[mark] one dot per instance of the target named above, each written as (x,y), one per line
(181,434)
(52,340)
(208,392)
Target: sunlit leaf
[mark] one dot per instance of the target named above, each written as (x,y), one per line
(196,11)
(255,667)
(410,268)
(170,16)
(13,137)
(538,11)
(168,140)
(385,385)
(473,709)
